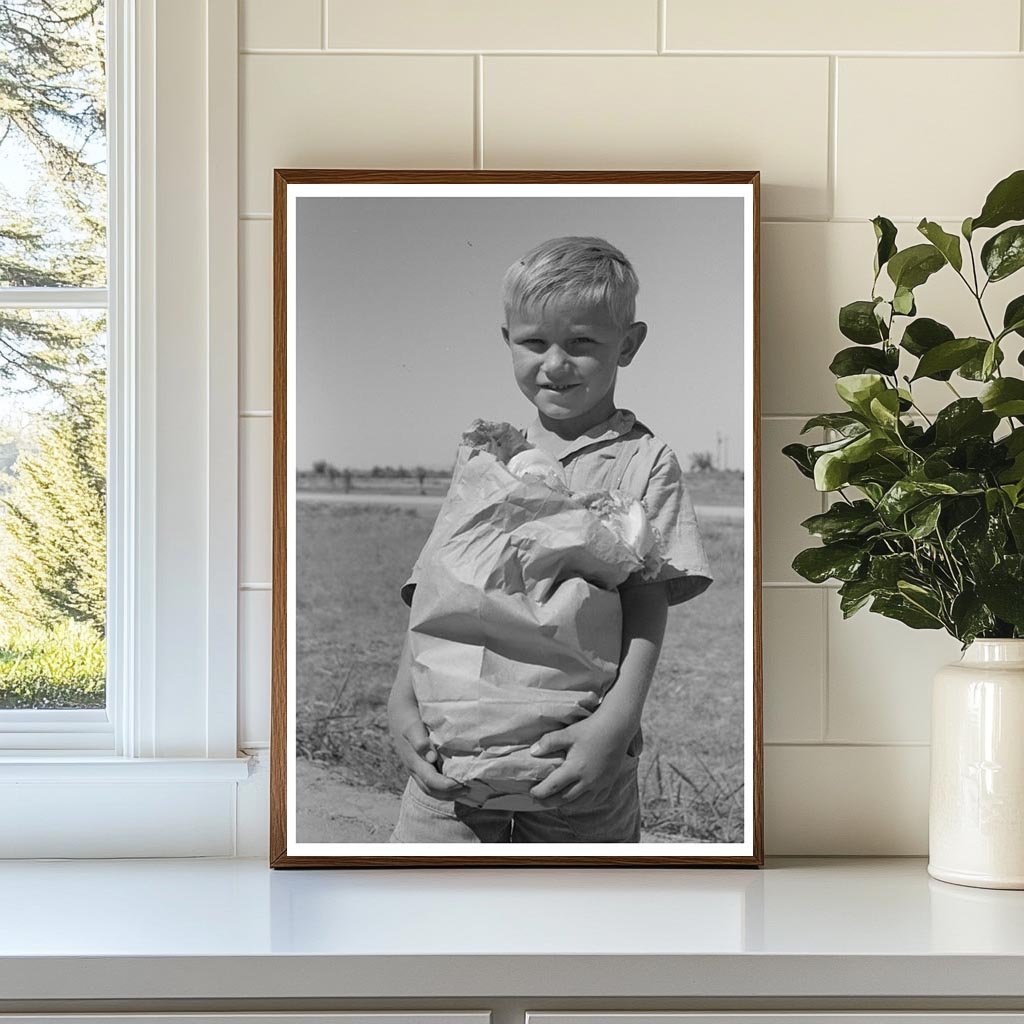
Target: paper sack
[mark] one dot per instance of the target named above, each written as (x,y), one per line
(515,624)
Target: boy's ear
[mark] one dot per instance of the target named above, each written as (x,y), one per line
(504,334)
(635,335)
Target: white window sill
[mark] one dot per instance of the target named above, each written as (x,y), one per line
(80,767)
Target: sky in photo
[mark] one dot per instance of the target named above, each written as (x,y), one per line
(399,313)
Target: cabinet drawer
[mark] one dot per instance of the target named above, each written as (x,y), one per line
(933,1017)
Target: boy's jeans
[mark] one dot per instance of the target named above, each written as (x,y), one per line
(615,819)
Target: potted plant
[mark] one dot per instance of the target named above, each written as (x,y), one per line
(927,521)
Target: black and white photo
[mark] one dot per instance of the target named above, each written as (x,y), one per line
(516,575)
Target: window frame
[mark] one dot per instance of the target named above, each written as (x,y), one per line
(173,469)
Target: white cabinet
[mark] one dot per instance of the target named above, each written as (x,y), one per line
(775,1018)
(362,1017)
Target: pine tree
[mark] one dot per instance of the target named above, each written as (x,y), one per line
(53,519)
(52,122)
(53,234)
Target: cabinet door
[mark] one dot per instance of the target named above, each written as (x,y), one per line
(932,1017)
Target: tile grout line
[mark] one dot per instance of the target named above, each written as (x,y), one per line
(768,55)
(323,25)
(833,134)
(1020,25)
(824,713)
(478,111)
(662,29)
(854,744)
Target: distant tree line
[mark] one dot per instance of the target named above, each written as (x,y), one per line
(326,471)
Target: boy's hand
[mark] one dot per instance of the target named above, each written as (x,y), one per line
(593,748)
(417,754)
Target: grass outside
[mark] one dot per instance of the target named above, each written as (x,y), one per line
(350,625)
(63,667)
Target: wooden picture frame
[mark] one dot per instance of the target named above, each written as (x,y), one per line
(383,281)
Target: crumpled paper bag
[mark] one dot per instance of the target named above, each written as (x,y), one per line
(515,625)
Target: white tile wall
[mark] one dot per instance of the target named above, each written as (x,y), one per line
(261,26)
(794,664)
(874,25)
(328,110)
(255,510)
(970,110)
(495,25)
(255,325)
(700,113)
(838,138)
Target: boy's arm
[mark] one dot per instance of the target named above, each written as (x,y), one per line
(410,736)
(595,746)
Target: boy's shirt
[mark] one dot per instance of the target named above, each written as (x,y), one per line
(623,453)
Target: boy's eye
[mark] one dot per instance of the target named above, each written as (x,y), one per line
(583,341)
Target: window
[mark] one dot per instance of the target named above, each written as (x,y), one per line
(155,770)
(53,369)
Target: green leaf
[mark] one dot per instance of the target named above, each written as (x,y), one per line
(970,617)
(885,409)
(854,594)
(843,521)
(949,355)
(887,570)
(897,607)
(885,236)
(923,335)
(1003,254)
(831,471)
(841,421)
(857,321)
(1005,596)
(840,561)
(799,454)
(965,229)
(947,244)
(858,389)
(966,417)
(1004,397)
(974,368)
(1005,202)
(1013,318)
(903,302)
(991,360)
(906,494)
(912,267)
(849,361)
(925,518)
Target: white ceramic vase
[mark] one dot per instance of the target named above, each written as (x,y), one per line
(976,812)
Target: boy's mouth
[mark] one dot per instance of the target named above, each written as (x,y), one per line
(558,387)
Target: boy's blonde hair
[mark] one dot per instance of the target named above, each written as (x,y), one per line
(587,269)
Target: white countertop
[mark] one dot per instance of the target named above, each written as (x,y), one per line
(234,929)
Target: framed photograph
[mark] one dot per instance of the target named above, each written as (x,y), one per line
(516,561)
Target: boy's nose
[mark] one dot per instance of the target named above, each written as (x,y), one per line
(554,361)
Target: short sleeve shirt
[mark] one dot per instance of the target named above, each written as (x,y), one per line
(623,454)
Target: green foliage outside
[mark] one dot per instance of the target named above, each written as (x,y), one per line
(52,365)
(928,521)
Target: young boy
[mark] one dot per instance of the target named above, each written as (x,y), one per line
(569,326)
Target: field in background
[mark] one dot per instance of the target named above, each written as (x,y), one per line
(351,622)
(715,487)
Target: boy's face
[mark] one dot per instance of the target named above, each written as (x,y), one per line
(565,357)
